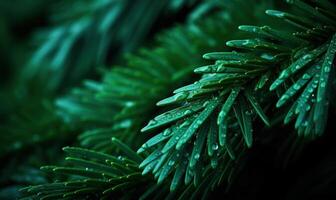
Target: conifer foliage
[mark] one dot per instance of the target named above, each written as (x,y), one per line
(170,124)
(217,112)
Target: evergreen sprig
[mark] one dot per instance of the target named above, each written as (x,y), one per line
(206,133)
(93,175)
(112,107)
(93,105)
(234,91)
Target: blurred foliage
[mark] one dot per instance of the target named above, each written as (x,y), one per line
(30,80)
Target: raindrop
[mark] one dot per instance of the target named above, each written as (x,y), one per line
(246,42)
(307,56)
(187,112)
(152,122)
(197,156)
(205,103)
(171,163)
(307,107)
(327,69)
(180,96)
(306,76)
(129,103)
(166,132)
(296,86)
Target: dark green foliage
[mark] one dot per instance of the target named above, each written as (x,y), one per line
(85,32)
(92,175)
(28,115)
(119,98)
(229,91)
(231,118)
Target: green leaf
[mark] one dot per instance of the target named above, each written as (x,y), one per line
(212,139)
(198,147)
(173,115)
(156,139)
(243,115)
(295,88)
(227,105)
(177,135)
(129,152)
(178,176)
(257,108)
(324,77)
(297,65)
(209,108)
(256,44)
(295,20)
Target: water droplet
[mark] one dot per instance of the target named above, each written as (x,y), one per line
(267,56)
(125,123)
(307,56)
(166,132)
(323,84)
(197,156)
(152,122)
(307,107)
(187,112)
(171,163)
(215,147)
(306,76)
(296,86)
(180,96)
(205,103)
(129,103)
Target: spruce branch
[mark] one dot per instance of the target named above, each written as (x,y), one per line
(205,134)
(119,99)
(182,43)
(234,91)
